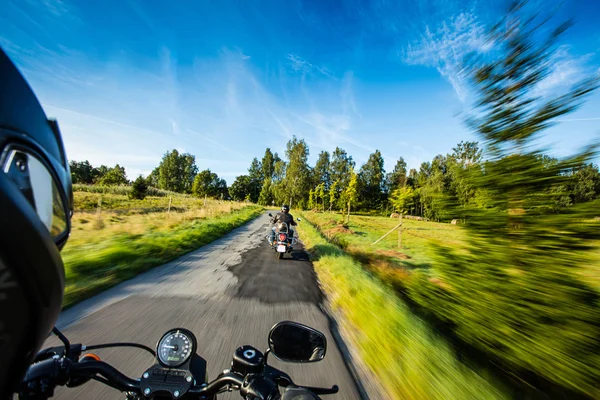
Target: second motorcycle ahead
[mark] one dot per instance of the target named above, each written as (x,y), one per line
(282,237)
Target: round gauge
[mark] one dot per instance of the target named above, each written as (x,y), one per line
(176,347)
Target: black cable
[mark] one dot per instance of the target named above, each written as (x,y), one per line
(121,344)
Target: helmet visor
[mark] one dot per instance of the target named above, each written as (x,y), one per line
(37,184)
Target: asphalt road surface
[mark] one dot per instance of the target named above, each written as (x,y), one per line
(229,293)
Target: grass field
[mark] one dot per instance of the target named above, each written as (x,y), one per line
(526,323)
(408,358)
(122,237)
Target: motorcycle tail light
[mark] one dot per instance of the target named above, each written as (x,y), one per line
(282,237)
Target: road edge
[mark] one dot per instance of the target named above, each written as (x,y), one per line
(367,385)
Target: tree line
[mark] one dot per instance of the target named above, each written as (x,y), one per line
(334,183)
(176,173)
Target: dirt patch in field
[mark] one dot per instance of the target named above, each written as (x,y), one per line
(393,253)
(340,229)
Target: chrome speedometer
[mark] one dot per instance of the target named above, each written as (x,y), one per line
(176,347)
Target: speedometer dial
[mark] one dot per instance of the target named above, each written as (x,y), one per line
(175,348)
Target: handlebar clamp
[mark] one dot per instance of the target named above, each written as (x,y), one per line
(158,379)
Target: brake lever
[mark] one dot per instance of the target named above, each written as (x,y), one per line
(73,354)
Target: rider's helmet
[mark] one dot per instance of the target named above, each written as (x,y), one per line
(35,213)
(285,208)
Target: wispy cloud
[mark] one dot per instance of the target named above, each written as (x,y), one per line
(565,71)
(445,47)
(299,64)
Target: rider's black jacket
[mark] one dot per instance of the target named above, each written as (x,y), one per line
(283,217)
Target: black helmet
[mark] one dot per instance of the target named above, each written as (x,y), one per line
(285,208)
(35,209)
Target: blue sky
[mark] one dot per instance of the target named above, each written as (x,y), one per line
(223,80)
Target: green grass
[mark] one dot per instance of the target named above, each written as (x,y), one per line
(126,237)
(540,321)
(418,237)
(407,357)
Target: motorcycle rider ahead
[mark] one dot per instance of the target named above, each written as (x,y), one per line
(283,216)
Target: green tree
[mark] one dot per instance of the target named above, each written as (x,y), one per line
(402,198)
(277,186)
(297,175)
(266,193)
(517,291)
(321,172)
(81,172)
(255,173)
(176,172)
(371,179)
(333,193)
(98,173)
(586,184)
(321,194)
(351,194)
(114,176)
(311,199)
(466,153)
(240,188)
(189,171)
(208,183)
(397,177)
(340,167)
(139,189)
(268,164)
(152,178)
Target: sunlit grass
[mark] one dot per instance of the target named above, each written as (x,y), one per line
(124,237)
(479,310)
(406,356)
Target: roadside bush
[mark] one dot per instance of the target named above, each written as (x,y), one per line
(139,189)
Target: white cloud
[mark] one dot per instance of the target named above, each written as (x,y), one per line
(565,71)
(299,64)
(446,46)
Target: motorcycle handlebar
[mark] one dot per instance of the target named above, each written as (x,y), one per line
(122,382)
(70,371)
(117,379)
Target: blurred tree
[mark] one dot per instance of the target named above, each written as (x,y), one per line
(516,290)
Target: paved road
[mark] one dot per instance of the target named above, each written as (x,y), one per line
(228,293)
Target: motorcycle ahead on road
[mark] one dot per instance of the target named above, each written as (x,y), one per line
(180,373)
(284,240)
